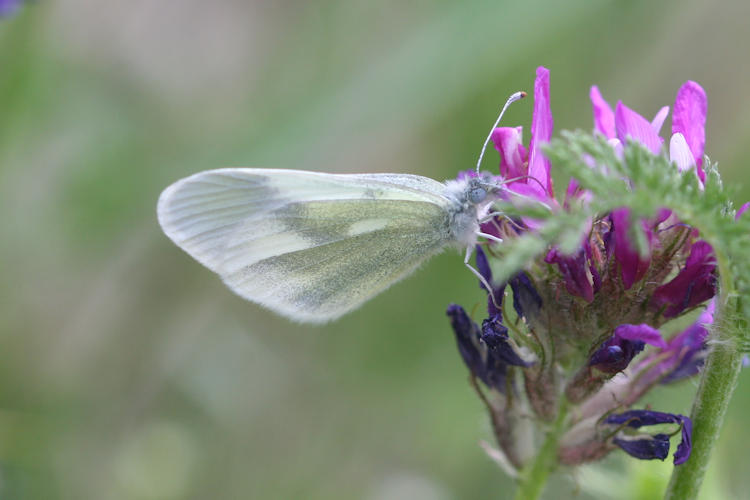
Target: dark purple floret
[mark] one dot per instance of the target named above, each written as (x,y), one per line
(483,266)
(487,352)
(467,337)
(526,300)
(632,265)
(690,365)
(616,353)
(694,284)
(482,363)
(683,449)
(687,350)
(484,269)
(575,271)
(647,448)
(495,336)
(640,418)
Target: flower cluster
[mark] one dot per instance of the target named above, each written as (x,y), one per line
(587,329)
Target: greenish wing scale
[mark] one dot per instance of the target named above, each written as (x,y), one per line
(355,250)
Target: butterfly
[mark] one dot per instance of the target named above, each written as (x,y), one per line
(313,246)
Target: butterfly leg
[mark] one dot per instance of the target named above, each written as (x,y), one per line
(487,286)
(490,237)
(491,216)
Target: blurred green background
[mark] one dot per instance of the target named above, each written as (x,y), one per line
(128,371)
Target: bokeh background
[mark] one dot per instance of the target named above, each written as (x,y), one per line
(128,371)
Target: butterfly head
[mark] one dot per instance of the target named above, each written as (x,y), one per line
(482,190)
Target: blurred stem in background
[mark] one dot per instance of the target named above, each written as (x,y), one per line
(533,478)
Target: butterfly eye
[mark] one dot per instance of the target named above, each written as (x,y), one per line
(477,195)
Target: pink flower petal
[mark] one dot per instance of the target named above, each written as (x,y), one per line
(632,266)
(575,271)
(679,152)
(707,316)
(520,192)
(575,193)
(695,283)
(641,332)
(658,120)
(507,141)
(689,119)
(604,117)
(541,132)
(742,210)
(617,146)
(630,124)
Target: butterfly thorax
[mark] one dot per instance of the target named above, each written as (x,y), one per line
(471,199)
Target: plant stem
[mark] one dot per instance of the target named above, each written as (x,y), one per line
(534,476)
(712,399)
(711,402)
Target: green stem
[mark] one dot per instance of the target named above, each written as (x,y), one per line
(715,390)
(534,476)
(712,399)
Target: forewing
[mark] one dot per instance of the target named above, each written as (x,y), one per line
(309,246)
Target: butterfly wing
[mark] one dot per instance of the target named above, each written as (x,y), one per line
(307,245)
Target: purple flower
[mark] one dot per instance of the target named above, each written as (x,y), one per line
(610,358)
(616,353)
(686,151)
(526,299)
(8,7)
(588,314)
(636,419)
(633,266)
(578,273)
(604,117)
(484,269)
(629,125)
(473,352)
(689,122)
(688,126)
(531,165)
(542,125)
(495,337)
(645,447)
(685,353)
(742,210)
(486,352)
(513,155)
(694,284)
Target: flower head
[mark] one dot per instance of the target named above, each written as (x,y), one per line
(588,323)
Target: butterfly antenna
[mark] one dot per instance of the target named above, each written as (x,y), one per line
(515,97)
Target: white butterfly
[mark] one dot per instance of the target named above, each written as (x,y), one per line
(313,246)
